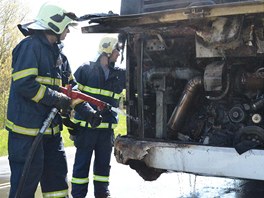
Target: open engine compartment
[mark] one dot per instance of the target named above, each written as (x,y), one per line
(201,81)
(195,76)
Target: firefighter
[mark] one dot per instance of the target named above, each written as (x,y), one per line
(38,69)
(102,80)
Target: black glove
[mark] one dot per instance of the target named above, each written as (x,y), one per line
(71,126)
(106,112)
(62,101)
(95,119)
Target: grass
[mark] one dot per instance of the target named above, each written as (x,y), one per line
(3,142)
(120,129)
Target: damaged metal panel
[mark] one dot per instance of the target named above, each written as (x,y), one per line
(230,36)
(127,149)
(129,22)
(197,159)
(207,160)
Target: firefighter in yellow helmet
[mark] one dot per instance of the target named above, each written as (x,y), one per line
(39,68)
(104,81)
(108,51)
(51,18)
(107,45)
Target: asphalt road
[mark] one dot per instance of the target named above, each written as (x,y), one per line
(126,183)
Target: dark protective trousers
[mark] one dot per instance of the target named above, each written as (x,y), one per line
(49,166)
(99,141)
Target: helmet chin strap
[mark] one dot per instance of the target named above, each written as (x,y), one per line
(111,65)
(58,38)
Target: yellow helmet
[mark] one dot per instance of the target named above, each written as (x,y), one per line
(52,17)
(107,45)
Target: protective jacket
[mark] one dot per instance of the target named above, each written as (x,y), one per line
(91,81)
(94,81)
(34,79)
(38,70)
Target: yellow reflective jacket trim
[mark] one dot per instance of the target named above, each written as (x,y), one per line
(30,131)
(56,194)
(103,125)
(40,93)
(98,91)
(76,180)
(88,89)
(23,73)
(49,81)
(101,178)
(110,94)
(71,77)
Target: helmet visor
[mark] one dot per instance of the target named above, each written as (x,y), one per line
(35,25)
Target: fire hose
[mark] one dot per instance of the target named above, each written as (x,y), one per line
(73,95)
(33,149)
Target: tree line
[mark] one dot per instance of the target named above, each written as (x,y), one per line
(12,12)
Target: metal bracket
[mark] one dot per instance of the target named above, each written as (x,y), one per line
(196,13)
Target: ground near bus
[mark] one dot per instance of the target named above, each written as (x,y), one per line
(126,183)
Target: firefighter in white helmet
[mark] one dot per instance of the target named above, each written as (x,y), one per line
(102,80)
(39,68)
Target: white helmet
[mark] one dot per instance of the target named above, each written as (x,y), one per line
(107,45)
(51,17)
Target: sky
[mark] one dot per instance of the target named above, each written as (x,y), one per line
(78,47)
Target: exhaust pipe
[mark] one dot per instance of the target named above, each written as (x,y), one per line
(178,116)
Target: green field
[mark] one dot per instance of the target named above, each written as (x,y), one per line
(121,129)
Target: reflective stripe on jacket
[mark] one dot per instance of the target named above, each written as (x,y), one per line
(103,125)
(36,74)
(91,81)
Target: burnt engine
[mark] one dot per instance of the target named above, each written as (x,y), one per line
(203,83)
(224,107)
